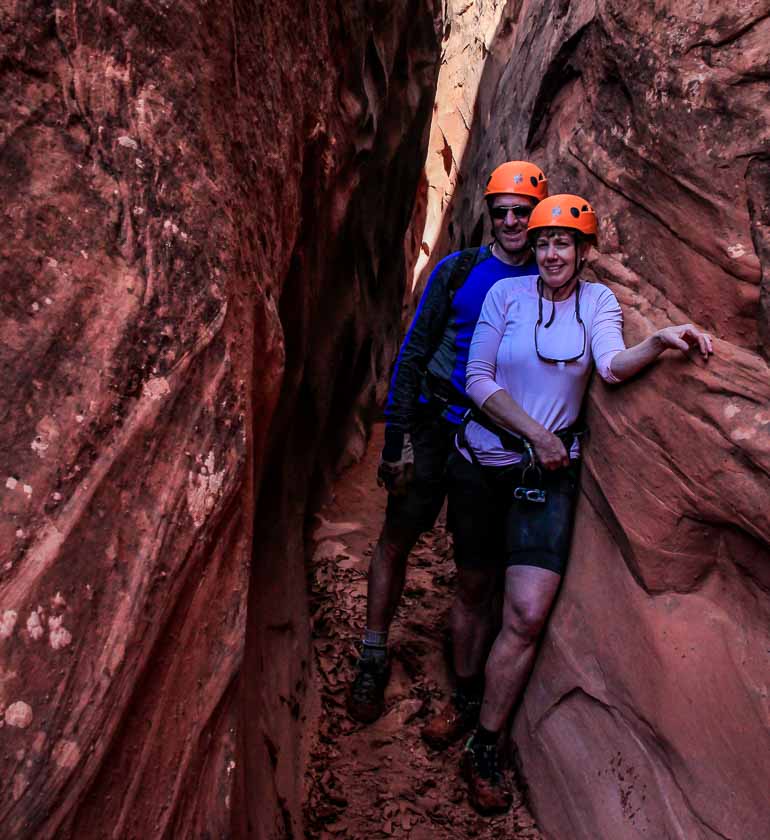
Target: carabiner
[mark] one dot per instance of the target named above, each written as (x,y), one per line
(531,463)
(529,494)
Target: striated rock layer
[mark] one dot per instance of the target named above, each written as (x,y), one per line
(647,714)
(195,204)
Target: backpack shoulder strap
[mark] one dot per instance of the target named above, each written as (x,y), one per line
(462,268)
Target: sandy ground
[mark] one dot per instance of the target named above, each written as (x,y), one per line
(381,780)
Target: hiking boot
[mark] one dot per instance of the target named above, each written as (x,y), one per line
(452,722)
(366,698)
(486,789)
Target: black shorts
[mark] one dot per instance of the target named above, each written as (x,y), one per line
(491,528)
(432,441)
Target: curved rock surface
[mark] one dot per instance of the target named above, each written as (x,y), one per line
(196,199)
(647,715)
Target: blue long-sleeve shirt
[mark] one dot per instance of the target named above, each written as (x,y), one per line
(439,338)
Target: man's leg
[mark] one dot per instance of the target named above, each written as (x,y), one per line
(471,621)
(529,596)
(406,518)
(387,574)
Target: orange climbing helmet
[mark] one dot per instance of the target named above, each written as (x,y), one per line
(565,211)
(519,177)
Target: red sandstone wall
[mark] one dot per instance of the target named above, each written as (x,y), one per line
(195,204)
(647,715)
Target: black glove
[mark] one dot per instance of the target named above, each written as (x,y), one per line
(396,469)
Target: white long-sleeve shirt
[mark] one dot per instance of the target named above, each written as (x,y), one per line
(503,357)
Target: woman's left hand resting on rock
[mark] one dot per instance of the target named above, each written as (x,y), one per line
(684,337)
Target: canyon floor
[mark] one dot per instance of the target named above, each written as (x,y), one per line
(381,780)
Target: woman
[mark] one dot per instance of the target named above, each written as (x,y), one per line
(513,483)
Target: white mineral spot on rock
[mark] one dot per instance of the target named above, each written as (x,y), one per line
(39,446)
(203,487)
(138,162)
(35,306)
(128,142)
(59,637)
(743,434)
(79,418)
(20,533)
(156,388)
(84,254)
(52,262)
(731,409)
(19,714)
(56,496)
(11,482)
(27,489)
(736,251)
(47,301)
(230,767)
(66,754)
(7,623)
(58,601)
(35,626)
(138,211)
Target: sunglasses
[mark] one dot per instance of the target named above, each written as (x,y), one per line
(520,211)
(539,322)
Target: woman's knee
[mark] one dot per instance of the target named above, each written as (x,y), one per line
(526,618)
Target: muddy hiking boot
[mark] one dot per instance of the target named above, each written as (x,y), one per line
(366,698)
(457,717)
(487,792)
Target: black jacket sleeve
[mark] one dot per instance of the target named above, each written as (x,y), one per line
(421,342)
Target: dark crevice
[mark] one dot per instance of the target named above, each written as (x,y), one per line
(561,71)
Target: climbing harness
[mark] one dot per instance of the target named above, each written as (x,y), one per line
(529,485)
(524,492)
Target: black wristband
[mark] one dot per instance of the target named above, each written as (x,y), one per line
(394,445)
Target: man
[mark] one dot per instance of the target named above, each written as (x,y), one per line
(424,409)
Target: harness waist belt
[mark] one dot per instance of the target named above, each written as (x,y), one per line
(514,443)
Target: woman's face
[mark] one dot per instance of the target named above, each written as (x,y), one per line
(557,254)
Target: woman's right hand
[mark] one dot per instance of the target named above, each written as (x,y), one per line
(550,451)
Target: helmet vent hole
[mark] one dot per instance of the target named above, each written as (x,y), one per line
(575,212)
(586,208)
(533,181)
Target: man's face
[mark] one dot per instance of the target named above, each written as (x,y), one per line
(510,215)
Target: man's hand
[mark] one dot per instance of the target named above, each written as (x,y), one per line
(684,337)
(550,451)
(396,475)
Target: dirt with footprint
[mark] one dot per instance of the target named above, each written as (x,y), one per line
(382,780)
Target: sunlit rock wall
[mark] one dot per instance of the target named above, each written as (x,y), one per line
(647,715)
(195,201)
(470,30)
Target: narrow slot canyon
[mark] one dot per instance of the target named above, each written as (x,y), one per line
(217,224)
